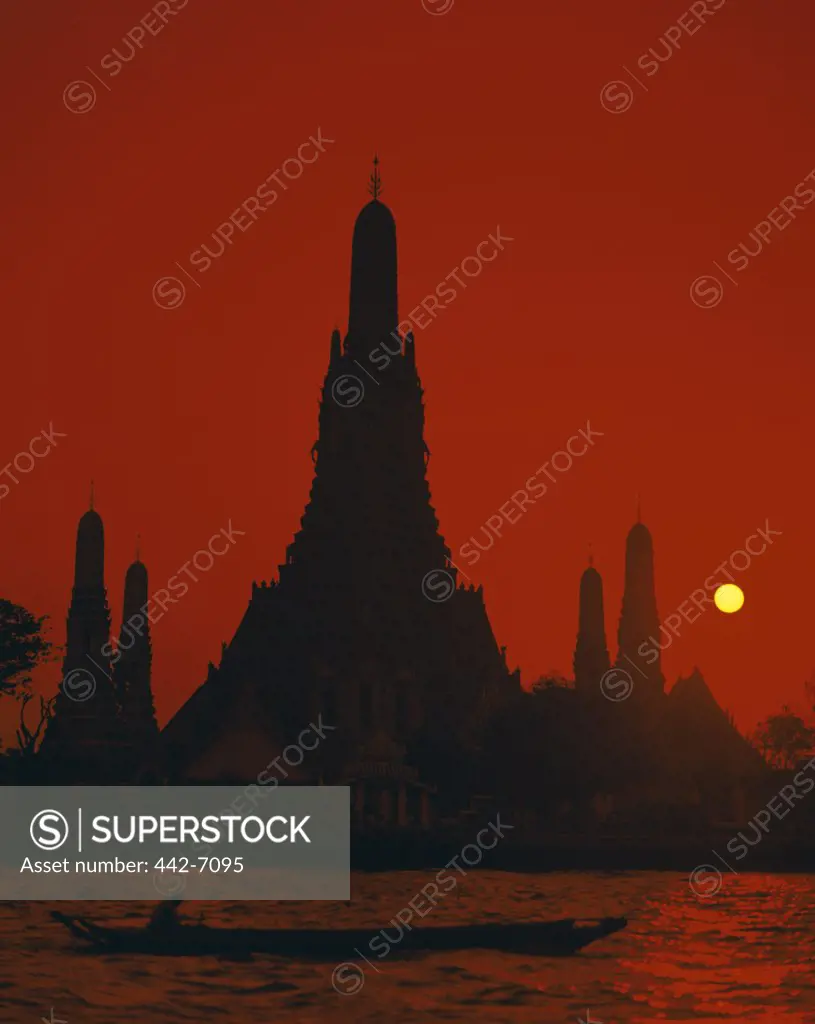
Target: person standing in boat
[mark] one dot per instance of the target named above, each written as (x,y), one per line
(164,919)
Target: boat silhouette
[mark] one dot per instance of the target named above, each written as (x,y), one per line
(542,938)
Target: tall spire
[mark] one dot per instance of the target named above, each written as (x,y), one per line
(138,547)
(639,630)
(84,722)
(89,562)
(375,181)
(132,671)
(591,659)
(373,314)
(91,503)
(136,596)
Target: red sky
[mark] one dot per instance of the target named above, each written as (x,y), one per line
(487,115)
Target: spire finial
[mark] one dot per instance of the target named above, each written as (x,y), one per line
(138,547)
(639,509)
(91,495)
(375,181)
(591,555)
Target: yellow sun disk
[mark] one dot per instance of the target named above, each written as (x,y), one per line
(729,598)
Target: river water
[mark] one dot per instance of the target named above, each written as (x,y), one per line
(745,954)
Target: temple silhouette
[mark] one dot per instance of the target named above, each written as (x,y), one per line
(104,719)
(347,629)
(417,695)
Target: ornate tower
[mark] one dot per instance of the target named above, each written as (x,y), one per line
(369,519)
(133,668)
(369,534)
(352,627)
(84,726)
(591,659)
(638,633)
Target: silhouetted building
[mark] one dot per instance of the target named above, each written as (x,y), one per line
(366,622)
(131,672)
(706,756)
(639,630)
(591,660)
(81,736)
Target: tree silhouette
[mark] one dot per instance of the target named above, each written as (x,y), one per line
(22,646)
(26,739)
(550,679)
(783,738)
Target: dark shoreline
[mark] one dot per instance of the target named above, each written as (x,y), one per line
(411,853)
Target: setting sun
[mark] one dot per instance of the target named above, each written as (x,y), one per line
(729,598)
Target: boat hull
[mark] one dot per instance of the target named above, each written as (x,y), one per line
(547,938)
